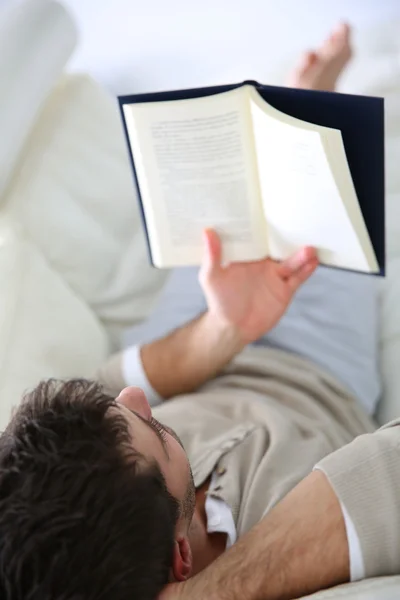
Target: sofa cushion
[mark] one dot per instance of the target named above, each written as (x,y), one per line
(74,196)
(379,588)
(46,330)
(37,39)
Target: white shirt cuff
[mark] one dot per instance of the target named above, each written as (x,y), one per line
(134,374)
(357,568)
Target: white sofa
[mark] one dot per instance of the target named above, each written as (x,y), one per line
(73,264)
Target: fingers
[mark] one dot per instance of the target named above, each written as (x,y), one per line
(212,252)
(297,261)
(302,274)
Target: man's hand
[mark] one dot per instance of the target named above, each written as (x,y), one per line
(251,297)
(245,300)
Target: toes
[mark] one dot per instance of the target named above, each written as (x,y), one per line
(310,59)
(320,70)
(307,61)
(300,77)
(341,33)
(342,30)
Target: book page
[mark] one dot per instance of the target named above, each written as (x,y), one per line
(336,155)
(302,202)
(195,168)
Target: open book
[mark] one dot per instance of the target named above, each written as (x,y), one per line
(267,182)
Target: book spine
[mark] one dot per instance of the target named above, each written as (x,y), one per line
(136,182)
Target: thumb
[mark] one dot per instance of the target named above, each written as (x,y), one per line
(212,253)
(301,275)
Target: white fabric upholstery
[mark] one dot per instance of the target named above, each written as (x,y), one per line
(73,263)
(381,588)
(74,194)
(37,39)
(45,329)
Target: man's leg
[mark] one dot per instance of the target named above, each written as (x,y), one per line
(321,69)
(333,319)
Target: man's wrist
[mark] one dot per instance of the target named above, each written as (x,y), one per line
(220,334)
(188,357)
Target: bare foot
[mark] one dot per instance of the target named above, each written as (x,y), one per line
(320,70)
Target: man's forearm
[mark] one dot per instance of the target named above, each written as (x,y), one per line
(298,548)
(189,356)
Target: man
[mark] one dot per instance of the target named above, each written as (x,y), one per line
(98,499)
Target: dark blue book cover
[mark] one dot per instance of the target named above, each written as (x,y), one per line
(359,118)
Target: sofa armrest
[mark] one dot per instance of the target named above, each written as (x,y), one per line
(29,31)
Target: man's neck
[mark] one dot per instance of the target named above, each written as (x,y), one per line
(206,547)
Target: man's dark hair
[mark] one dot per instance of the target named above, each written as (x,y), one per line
(82,515)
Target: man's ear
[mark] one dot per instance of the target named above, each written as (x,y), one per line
(182,559)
